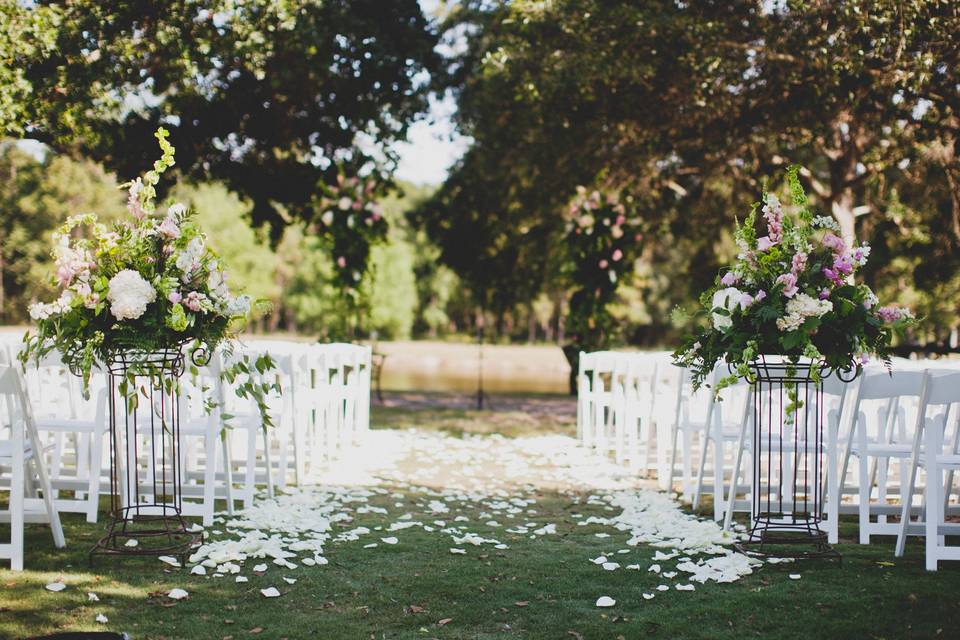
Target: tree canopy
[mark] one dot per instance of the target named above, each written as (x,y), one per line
(265,96)
(688,106)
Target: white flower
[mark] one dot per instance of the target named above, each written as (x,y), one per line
(238,307)
(189,258)
(218,285)
(344,203)
(327,217)
(176,210)
(42,311)
(800,308)
(727,299)
(129,294)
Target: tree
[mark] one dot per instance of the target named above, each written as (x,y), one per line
(269,97)
(690,105)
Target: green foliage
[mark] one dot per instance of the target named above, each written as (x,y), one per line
(36,197)
(270,98)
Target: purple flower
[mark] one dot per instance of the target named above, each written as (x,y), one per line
(760,295)
(843,264)
(174,297)
(729,279)
(746,300)
(824,294)
(832,275)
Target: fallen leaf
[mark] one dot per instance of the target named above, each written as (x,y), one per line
(445,621)
(522,603)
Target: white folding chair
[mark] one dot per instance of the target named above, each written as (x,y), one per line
(941,389)
(585,410)
(875,443)
(76,427)
(20,453)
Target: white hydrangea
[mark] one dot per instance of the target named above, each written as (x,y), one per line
(129,294)
(727,299)
(238,307)
(826,222)
(801,307)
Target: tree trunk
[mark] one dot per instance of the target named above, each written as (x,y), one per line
(842,209)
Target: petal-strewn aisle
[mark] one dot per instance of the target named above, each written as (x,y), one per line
(474,492)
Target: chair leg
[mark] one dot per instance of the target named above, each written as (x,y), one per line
(52,514)
(906,500)
(250,481)
(17,489)
(227,470)
(93,484)
(209,476)
(266,458)
(864,492)
(673,459)
(934,514)
(695,503)
(735,478)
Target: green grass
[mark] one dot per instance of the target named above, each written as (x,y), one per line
(541,588)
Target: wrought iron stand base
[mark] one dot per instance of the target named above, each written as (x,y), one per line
(161,534)
(800,545)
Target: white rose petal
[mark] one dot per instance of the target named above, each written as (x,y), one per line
(102,619)
(605,601)
(177,594)
(56,586)
(270,592)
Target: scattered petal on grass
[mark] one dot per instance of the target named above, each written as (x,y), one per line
(131,543)
(270,592)
(243,579)
(444,622)
(605,601)
(599,560)
(663,587)
(390,540)
(260,568)
(522,603)
(795,576)
(170,560)
(648,596)
(611,566)
(372,545)
(310,562)
(199,570)
(633,566)
(177,594)
(669,574)
(56,586)
(654,568)
(102,619)
(289,580)
(456,551)
(685,587)
(92,597)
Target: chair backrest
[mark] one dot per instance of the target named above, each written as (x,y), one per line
(881,385)
(941,387)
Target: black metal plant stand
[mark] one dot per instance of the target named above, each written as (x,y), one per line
(788,461)
(146,472)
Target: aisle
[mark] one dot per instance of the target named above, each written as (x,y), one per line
(480,492)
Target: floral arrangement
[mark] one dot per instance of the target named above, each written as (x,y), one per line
(354,220)
(792,293)
(147,283)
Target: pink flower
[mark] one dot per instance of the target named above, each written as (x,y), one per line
(746,300)
(603,264)
(824,294)
(789,282)
(764,243)
(91,301)
(773,212)
(134,205)
(193,300)
(834,243)
(169,228)
(617,255)
(174,297)
(729,279)
(341,262)
(760,295)
(799,262)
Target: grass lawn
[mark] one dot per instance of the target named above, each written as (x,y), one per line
(544,587)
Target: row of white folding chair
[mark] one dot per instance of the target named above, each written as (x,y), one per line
(22,460)
(616,411)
